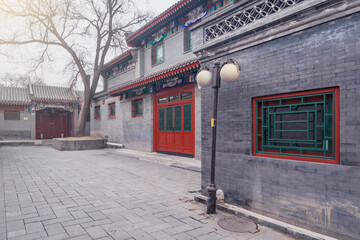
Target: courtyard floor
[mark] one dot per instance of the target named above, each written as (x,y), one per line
(99,194)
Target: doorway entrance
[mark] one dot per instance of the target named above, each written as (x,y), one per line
(174,125)
(52,123)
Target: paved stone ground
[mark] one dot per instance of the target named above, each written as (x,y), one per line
(98,194)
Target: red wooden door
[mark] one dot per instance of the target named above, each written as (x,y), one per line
(174,121)
(51,123)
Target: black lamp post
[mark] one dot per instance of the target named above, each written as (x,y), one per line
(228,72)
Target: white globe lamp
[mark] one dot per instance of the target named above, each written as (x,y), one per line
(230,72)
(204,77)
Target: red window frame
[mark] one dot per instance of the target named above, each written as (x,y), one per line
(96,112)
(110,105)
(7,119)
(153,53)
(187,40)
(133,107)
(336,159)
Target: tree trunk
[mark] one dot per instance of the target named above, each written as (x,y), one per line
(85,106)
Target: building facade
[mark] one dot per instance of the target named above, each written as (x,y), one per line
(150,100)
(288,128)
(38,112)
(288,142)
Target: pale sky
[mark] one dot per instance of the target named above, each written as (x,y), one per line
(17,60)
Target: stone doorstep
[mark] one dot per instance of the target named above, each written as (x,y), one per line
(170,160)
(114,145)
(20,142)
(294,231)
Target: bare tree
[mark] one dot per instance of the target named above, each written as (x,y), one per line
(17,80)
(85,29)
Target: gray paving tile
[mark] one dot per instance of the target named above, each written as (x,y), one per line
(34,227)
(96,232)
(178,229)
(53,195)
(75,230)
(54,229)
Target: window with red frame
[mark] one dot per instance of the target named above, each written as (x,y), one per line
(187,40)
(137,108)
(157,53)
(112,110)
(97,112)
(300,126)
(11,115)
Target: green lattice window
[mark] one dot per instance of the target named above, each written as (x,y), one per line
(301,125)
(161,119)
(97,112)
(158,53)
(112,110)
(187,118)
(169,119)
(187,40)
(137,108)
(177,124)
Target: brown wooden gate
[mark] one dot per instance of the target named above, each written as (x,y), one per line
(52,123)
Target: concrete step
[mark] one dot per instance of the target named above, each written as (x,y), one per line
(114,145)
(20,142)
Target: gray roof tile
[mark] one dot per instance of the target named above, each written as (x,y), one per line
(52,94)
(14,95)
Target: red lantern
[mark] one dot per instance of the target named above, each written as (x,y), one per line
(103,101)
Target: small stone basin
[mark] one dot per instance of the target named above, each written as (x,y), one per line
(79,143)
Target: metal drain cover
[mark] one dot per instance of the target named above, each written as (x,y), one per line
(237,224)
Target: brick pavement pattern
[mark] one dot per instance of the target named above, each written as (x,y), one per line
(48,194)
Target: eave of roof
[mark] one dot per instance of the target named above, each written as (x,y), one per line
(117,59)
(161,19)
(14,96)
(160,75)
(44,93)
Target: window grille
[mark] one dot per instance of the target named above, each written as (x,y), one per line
(97,112)
(158,53)
(137,106)
(112,110)
(248,16)
(296,125)
(12,115)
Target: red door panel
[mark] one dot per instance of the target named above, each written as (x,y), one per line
(51,123)
(174,120)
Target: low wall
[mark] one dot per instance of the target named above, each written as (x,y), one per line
(76,144)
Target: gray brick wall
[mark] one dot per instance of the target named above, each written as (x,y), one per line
(321,197)
(19,129)
(133,133)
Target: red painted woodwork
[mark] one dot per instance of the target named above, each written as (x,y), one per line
(300,158)
(179,141)
(52,123)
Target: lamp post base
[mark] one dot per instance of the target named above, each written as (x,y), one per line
(211,200)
